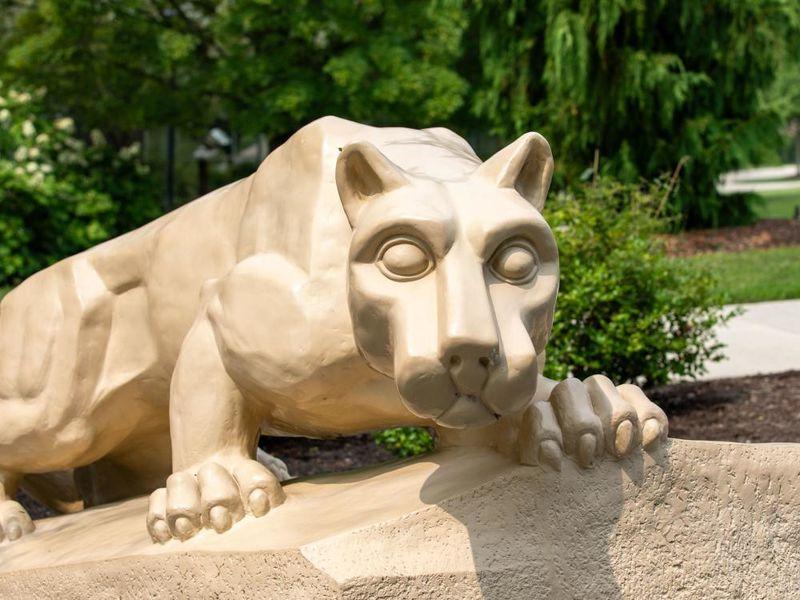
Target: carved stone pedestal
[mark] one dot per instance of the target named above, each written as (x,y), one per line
(696,519)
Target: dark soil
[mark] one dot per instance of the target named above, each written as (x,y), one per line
(769,233)
(312,457)
(34,508)
(763,408)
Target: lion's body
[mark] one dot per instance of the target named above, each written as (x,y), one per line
(362,278)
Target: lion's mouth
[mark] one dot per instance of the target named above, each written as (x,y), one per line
(467,410)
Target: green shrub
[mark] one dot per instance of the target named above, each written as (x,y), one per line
(624,308)
(60,194)
(405,441)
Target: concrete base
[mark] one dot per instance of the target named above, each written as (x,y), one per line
(695,519)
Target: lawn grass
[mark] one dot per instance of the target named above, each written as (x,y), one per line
(755,275)
(777,204)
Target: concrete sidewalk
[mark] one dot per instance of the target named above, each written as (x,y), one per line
(764,339)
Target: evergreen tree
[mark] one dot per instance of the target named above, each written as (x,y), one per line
(649,87)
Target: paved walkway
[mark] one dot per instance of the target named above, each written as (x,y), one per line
(763,179)
(764,339)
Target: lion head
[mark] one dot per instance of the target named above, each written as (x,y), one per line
(452,283)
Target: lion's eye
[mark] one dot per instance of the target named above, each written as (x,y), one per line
(515,262)
(404,259)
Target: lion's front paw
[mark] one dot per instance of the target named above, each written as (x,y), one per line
(216,495)
(14,521)
(588,419)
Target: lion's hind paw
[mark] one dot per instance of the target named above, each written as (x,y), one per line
(14,521)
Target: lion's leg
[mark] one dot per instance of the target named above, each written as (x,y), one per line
(214,431)
(52,335)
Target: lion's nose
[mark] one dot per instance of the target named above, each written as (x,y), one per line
(469,368)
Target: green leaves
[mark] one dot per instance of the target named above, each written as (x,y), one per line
(642,84)
(176,46)
(624,308)
(268,67)
(405,441)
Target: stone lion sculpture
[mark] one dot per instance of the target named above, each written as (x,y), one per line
(362,278)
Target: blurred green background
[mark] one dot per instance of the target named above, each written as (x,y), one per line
(634,89)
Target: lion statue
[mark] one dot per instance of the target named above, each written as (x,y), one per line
(362,278)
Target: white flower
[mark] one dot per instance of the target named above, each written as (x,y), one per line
(32,167)
(24,97)
(4,115)
(47,168)
(70,158)
(130,151)
(97,137)
(65,124)
(67,157)
(42,139)
(19,171)
(33,153)
(2,101)
(20,154)
(37,178)
(28,130)
(13,95)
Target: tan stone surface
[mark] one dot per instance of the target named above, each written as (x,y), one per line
(693,519)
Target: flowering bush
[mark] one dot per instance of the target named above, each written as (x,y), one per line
(59,193)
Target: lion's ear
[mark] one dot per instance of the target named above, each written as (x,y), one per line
(363,172)
(526,165)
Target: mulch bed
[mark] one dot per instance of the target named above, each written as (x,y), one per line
(304,456)
(769,233)
(763,408)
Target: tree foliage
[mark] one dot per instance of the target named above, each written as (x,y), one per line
(649,85)
(264,66)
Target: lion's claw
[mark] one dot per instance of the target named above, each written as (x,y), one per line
(214,496)
(588,419)
(14,521)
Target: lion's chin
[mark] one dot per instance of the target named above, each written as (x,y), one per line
(466,411)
